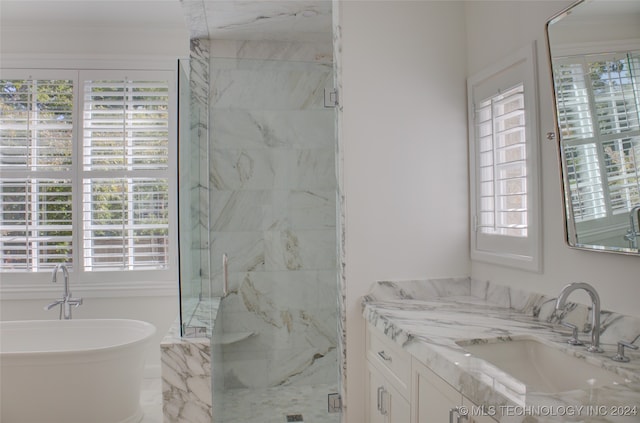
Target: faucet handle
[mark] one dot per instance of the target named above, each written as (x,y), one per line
(53,304)
(620,357)
(76,302)
(574,335)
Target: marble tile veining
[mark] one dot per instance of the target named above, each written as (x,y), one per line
(427,318)
(308,20)
(272,405)
(267,143)
(273,186)
(187,370)
(187,374)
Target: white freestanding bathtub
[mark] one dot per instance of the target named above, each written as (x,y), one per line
(72,371)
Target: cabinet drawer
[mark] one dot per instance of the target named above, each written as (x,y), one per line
(390,358)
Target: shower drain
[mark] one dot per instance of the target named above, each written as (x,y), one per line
(294,418)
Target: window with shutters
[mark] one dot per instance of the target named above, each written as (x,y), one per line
(86,171)
(503,163)
(599,118)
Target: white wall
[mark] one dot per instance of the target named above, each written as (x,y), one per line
(494,30)
(88,29)
(405,153)
(110,37)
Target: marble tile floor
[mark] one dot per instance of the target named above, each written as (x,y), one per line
(266,405)
(272,405)
(151,400)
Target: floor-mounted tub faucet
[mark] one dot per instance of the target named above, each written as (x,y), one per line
(595,310)
(66,301)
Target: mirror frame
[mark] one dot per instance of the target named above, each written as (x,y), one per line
(570,235)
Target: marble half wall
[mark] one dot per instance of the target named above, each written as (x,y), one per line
(188,372)
(273,210)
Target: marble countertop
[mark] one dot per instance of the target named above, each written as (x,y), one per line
(427,318)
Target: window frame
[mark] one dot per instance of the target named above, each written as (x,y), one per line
(518,252)
(163,282)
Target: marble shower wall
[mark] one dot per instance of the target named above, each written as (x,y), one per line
(273,210)
(200,88)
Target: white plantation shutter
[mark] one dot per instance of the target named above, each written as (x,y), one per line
(125,223)
(126,125)
(622,159)
(599,117)
(585,181)
(86,171)
(574,112)
(125,175)
(36,223)
(36,148)
(501,144)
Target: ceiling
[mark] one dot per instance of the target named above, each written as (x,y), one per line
(290,20)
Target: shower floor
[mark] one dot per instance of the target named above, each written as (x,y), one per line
(273,405)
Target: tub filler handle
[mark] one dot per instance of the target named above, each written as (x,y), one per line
(225,275)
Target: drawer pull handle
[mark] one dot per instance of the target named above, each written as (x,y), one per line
(384,356)
(382,393)
(456,410)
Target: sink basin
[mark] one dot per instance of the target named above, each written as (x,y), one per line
(542,368)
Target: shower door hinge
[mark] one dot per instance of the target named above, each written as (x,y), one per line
(334,403)
(330,98)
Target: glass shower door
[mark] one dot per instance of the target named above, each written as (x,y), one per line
(273,213)
(193,197)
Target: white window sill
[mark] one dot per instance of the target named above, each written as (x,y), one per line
(516,261)
(34,291)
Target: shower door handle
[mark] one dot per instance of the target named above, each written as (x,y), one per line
(225,275)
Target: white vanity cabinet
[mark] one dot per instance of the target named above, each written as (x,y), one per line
(475,416)
(388,380)
(432,397)
(433,400)
(385,403)
(401,389)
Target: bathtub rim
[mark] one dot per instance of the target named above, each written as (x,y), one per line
(146,329)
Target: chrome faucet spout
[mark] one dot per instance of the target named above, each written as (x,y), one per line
(65,275)
(633,234)
(66,301)
(595,310)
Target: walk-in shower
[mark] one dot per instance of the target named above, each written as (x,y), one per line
(258,187)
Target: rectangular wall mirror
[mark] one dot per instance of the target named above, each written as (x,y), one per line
(594,50)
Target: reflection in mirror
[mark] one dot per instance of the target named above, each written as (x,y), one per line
(594,50)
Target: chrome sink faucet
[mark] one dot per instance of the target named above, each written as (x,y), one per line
(67,300)
(632,235)
(595,310)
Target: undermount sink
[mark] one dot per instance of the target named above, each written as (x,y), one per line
(542,368)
